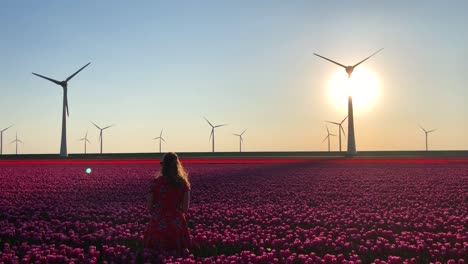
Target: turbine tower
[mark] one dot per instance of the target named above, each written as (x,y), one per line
(240,139)
(212,132)
(1,139)
(340,128)
(85,139)
(427,132)
(328,137)
(64,84)
(100,132)
(349,70)
(17,140)
(160,139)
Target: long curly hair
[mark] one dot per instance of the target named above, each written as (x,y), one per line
(173,171)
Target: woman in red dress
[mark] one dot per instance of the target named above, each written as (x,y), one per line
(168,203)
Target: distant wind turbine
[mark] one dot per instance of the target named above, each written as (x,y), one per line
(240,139)
(85,139)
(1,139)
(160,139)
(349,69)
(340,128)
(328,137)
(427,132)
(64,84)
(17,140)
(100,132)
(212,132)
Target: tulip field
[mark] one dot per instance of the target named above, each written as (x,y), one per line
(270,212)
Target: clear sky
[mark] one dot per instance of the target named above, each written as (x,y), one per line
(249,64)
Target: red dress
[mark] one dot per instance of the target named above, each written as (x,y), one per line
(167,229)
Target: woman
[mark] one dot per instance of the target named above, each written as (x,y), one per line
(168,203)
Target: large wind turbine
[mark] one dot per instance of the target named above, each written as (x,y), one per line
(240,139)
(212,132)
(340,128)
(1,139)
(160,139)
(17,140)
(328,137)
(427,132)
(100,132)
(64,84)
(349,70)
(85,139)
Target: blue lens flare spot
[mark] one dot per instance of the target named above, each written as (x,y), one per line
(88,170)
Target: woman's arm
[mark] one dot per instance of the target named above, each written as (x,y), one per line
(185,204)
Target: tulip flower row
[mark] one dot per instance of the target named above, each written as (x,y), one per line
(255,213)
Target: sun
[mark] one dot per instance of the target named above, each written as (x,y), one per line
(364,87)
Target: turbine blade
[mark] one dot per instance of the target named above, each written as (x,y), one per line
(328,131)
(211,134)
(335,123)
(431,130)
(160,134)
(86,135)
(344,120)
(423,129)
(367,58)
(236,135)
(13,141)
(333,135)
(342,129)
(220,125)
(20,141)
(208,122)
(95,125)
(325,139)
(47,78)
(88,141)
(66,104)
(163,140)
(332,61)
(73,75)
(108,126)
(156,138)
(243,132)
(6,128)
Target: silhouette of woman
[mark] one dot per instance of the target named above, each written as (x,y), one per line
(168,203)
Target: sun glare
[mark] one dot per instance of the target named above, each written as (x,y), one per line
(364,87)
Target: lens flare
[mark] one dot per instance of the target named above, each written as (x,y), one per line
(364,87)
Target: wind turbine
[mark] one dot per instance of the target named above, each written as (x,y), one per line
(100,132)
(85,139)
(212,132)
(160,138)
(64,84)
(1,139)
(328,137)
(17,140)
(427,132)
(340,128)
(349,70)
(240,139)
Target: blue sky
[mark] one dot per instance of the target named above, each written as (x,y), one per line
(250,64)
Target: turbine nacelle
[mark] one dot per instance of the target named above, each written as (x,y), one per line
(349,71)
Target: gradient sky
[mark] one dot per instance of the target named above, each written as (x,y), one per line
(249,64)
